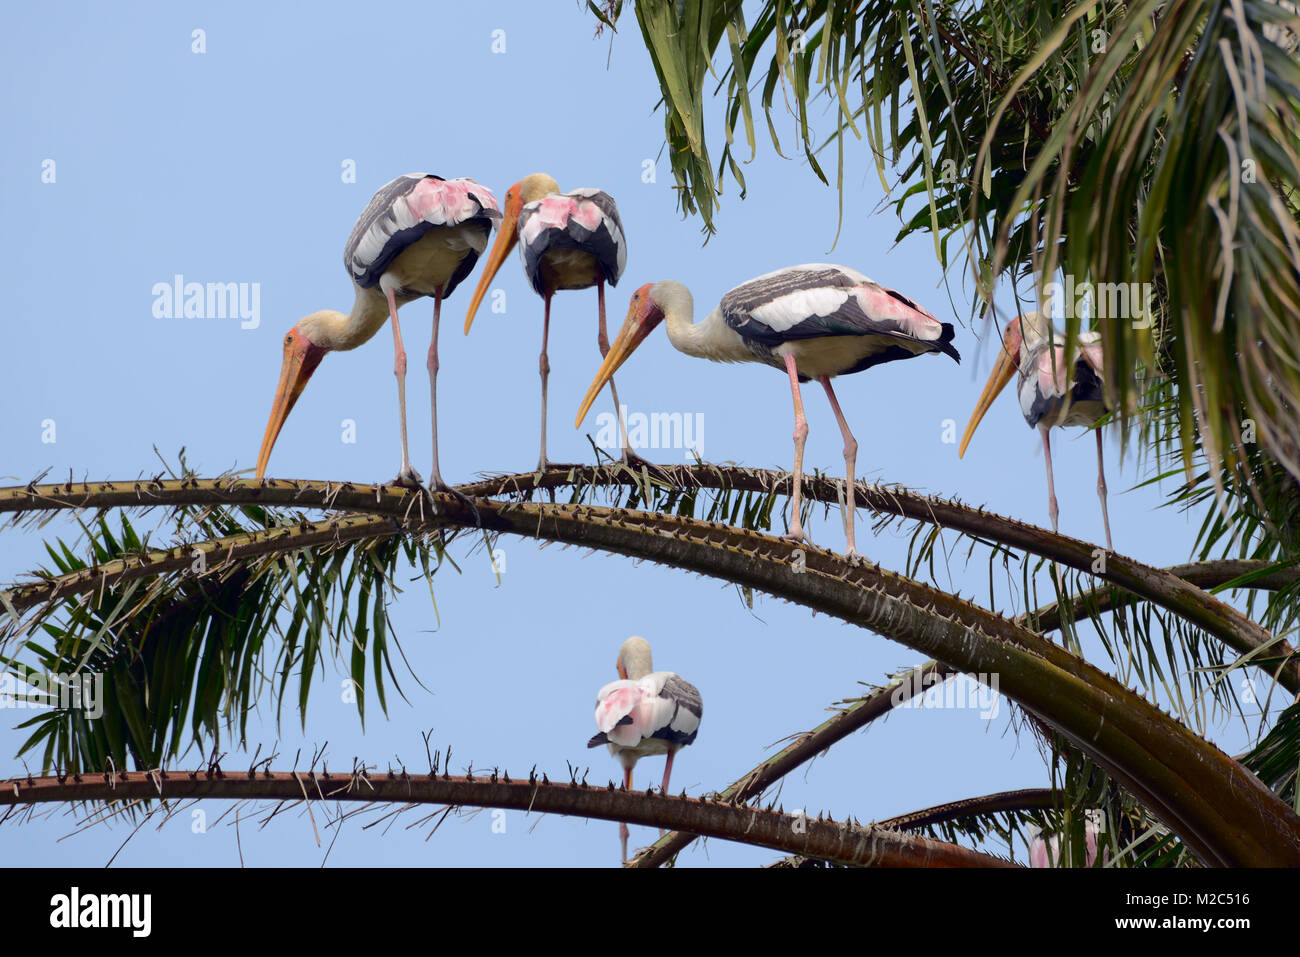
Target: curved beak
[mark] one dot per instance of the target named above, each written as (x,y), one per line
(642,316)
(622,672)
(1003,372)
(507,238)
(301,357)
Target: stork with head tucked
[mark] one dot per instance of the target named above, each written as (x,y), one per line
(1054,391)
(815,321)
(568,240)
(419,236)
(645,712)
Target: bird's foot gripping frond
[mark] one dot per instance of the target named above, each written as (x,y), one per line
(441,486)
(546,465)
(408,477)
(643,467)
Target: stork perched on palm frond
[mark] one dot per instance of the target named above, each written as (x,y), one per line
(1055,390)
(645,712)
(814,321)
(419,236)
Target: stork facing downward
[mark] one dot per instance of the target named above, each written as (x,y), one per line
(815,321)
(645,712)
(568,240)
(1054,391)
(419,236)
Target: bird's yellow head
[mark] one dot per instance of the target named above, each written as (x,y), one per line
(518,196)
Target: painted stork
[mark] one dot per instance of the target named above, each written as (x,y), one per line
(814,321)
(1054,391)
(1048,852)
(419,236)
(568,240)
(645,712)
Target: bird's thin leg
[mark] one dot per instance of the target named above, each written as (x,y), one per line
(436,482)
(668,770)
(1051,487)
(800,437)
(850,473)
(602,339)
(407,476)
(544,367)
(623,832)
(1101,491)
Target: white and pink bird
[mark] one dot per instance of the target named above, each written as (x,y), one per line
(419,236)
(814,321)
(644,713)
(1049,852)
(1054,391)
(570,240)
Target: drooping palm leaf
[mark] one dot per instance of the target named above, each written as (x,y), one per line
(1131,143)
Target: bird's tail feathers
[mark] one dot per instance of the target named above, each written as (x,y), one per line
(945,342)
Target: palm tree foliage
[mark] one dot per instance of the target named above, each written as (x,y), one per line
(192,649)
(1107,143)
(1138,143)
(72,606)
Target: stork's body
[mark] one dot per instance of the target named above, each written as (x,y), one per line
(1053,390)
(1049,852)
(814,321)
(419,236)
(568,240)
(645,713)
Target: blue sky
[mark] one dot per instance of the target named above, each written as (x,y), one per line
(226,166)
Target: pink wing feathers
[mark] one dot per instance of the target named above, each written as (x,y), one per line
(628,711)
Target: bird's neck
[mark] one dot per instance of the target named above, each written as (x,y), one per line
(638,665)
(335,330)
(711,338)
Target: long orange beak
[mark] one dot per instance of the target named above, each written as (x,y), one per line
(301,357)
(643,315)
(1003,372)
(507,238)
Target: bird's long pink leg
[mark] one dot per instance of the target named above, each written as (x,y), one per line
(623,832)
(850,472)
(800,437)
(602,340)
(668,770)
(544,366)
(407,476)
(1101,491)
(1051,487)
(435,481)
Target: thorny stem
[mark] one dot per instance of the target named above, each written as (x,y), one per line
(840,842)
(1221,811)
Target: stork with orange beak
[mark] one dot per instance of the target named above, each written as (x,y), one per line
(419,236)
(568,240)
(1053,391)
(814,321)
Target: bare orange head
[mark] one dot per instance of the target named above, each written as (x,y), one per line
(643,314)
